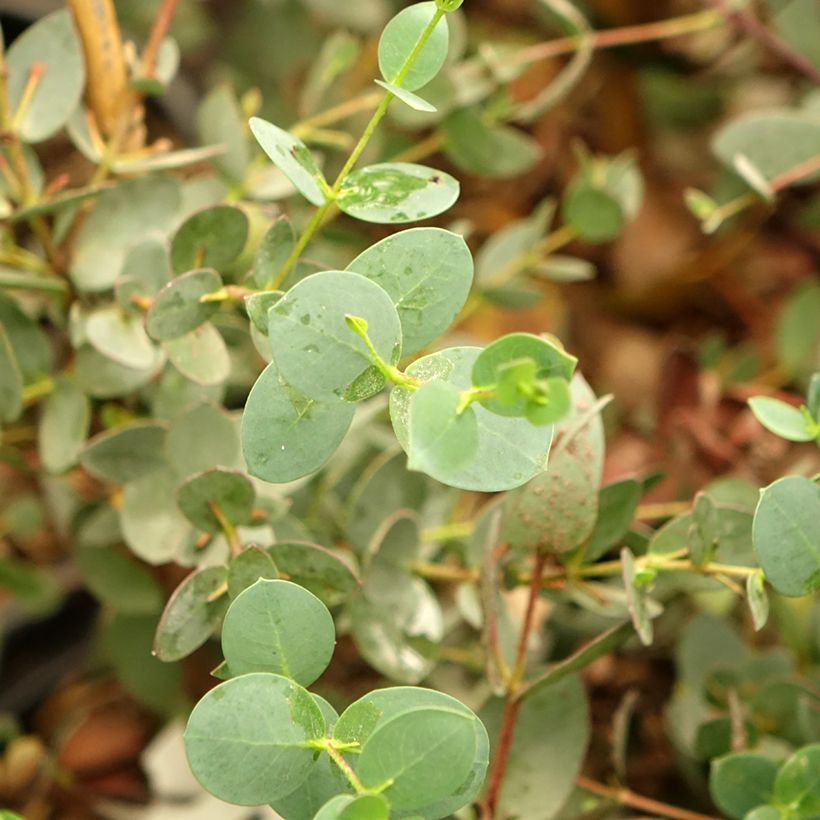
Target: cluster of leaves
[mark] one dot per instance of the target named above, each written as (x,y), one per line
(261,737)
(170,288)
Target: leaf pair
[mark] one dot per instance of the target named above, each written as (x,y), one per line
(254,738)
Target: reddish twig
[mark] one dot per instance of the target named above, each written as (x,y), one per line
(159,29)
(749,24)
(626,797)
(513,701)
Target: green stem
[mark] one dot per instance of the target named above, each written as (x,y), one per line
(27,281)
(228,529)
(315,222)
(36,390)
(333,751)
(389,371)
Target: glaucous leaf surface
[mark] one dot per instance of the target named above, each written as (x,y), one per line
(427,272)
(278,626)
(242,759)
(313,346)
(399,39)
(152,524)
(221,122)
(120,336)
(103,378)
(192,614)
(772,141)
(293,158)
(781,418)
(117,580)
(273,251)
(204,497)
(490,149)
(395,192)
(211,238)
(442,439)
(358,722)
(125,453)
(323,572)
(510,451)
(285,434)
(201,355)
(177,309)
(786,535)
(421,756)
(247,568)
(741,781)
(121,218)
(63,426)
(51,42)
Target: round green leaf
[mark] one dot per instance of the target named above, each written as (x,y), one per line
(399,39)
(202,437)
(63,426)
(786,536)
(125,453)
(146,269)
(286,435)
(273,251)
(211,238)
(52,42)
(781,418)
(121,337)
(313,346)
(393,192)
(177,309)
(247,568)
(428,273)
(191,614)
(797,785)
(442,439)
(358,722)
(772,141)
(326,574)
(421,756)
(488,370)
(292,157)
(510,450)
(152,525)
(103,378)
(594,213)
(265,630)
(324,783)
(229,492)
(617,503)
(201,355)
(396,633)
(243,759)
(489,149)
(220,121)
(740,782)
(122,217)
(118,580)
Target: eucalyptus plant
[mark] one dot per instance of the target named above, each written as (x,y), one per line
(301,513)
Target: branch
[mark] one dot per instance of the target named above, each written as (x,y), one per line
(750,25)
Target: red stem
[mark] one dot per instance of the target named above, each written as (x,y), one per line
(513,702)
